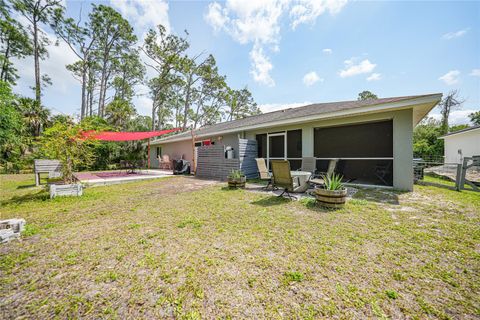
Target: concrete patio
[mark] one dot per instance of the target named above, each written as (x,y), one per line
(104,178)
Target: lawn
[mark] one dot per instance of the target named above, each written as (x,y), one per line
(184,248)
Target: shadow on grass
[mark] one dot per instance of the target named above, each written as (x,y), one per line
(435,184)
(271,201)
(41,195)
(27,186)
(378,195)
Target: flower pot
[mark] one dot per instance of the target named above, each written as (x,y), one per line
(234,183)
(331,198)
(74,189)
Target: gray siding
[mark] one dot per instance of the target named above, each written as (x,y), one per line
(247,153)
(212,163)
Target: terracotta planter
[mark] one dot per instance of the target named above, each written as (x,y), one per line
(237,183)
(331,198)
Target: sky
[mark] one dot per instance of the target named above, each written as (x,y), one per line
(295,52)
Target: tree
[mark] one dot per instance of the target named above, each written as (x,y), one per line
(12,128)
(35,116)
(208,96)
(475,118)
(139,123)
(366,95)
(425,139)
(114,36)
(65,142)
(449,103)
(39,12)
(14,44)
(81,41)
(129,72)
(240,104)
(164,52)
(118,113)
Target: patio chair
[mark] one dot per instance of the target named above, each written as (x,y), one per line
(309,164)
(318,180)
(265,175)
(282,178)
(164,162)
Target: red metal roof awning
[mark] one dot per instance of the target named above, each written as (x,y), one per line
(125,136)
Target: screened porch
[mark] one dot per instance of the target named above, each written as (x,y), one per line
(363,152)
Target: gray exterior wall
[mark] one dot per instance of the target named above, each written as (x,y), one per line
(402,141)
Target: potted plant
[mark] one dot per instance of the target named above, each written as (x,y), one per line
(236,179)
(65,142)
(333,194)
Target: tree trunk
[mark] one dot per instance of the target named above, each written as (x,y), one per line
(153,115)
(36,57)
(83,111)
(4,74)
(103,88)
(187,102)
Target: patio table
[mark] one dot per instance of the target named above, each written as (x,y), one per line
(303,177)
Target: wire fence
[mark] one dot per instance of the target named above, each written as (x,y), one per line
(444,172)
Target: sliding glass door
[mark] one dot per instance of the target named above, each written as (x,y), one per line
(285,145)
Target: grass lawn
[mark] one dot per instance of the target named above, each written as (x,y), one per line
(184,248)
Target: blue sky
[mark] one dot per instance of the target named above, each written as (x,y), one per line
(290,53)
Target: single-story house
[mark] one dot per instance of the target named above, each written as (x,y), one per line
(460,144)
(362,136)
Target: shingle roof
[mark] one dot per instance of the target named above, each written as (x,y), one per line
(290,113)
(460,131)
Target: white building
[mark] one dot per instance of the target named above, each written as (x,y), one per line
(460,144)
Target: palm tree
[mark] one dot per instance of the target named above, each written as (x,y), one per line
(34,115)
(118,113)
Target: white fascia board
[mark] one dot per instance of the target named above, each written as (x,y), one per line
(399,105)
(457,133)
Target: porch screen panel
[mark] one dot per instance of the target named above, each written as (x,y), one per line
(368,140)
(261,145)
(294,144)
(277,146)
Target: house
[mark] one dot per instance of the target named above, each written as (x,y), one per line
(462,143)
(371,139)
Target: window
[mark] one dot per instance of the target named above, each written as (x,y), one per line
(294,144)
(159,152)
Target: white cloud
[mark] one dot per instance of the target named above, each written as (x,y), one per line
(261,67)
(269,107)
(456,116)
(450,78)
(475,72)
(144,14)
(307,11)
(352,69)
(53,66)
(311,78)
(327,51)
(456,34)
(216,16)
(258,23)
(374,77)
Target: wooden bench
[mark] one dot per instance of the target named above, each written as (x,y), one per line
(52,167)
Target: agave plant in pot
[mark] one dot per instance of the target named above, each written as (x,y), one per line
(333,194)
(236,179)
